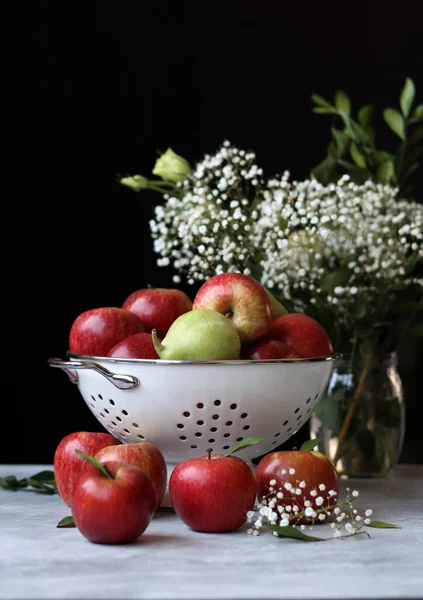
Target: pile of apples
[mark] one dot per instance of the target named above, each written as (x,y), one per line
(232,317)
(115,494)
(114,489)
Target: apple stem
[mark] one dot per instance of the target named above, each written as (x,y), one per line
(229,315)
(157,345)
(209,451)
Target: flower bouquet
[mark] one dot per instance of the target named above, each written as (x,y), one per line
(344,246)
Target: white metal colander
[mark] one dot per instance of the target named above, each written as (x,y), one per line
(186,407)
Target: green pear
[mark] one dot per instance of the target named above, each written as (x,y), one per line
(199,334)
(277,307)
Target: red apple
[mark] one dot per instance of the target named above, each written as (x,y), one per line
(68,466)
(143,455)
(212,493)
(270,349)
(158,308)
(240,298)
(115,506)
(139,345)
(302,334)
(96,331)
(300,476)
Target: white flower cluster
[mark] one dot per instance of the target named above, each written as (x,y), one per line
(348,244)
(302,508)
(208,227)
(344,246)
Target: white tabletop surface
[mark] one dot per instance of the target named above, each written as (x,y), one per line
(39,560)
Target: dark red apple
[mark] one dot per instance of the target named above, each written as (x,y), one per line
(158,308)
(212,493)
(300,476)
(145,456)
(68,466)
(240,298)
(270,349)
(139,345)
(114,506)
(96,331)
(302,334)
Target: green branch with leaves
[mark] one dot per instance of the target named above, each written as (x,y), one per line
(353,148)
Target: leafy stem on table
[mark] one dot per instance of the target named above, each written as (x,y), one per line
(43,482)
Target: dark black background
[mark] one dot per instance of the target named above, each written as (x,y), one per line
(98,88)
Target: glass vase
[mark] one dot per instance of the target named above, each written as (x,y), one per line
(361,418)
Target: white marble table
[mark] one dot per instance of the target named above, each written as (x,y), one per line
(38,560)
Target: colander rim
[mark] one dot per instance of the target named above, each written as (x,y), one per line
(237,362)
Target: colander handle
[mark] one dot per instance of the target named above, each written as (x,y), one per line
(122,382)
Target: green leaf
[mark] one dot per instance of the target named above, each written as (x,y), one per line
(342,102)
(309,445)
(383,525)
(357,157)
(321,101)
(8,484)
(407,96)
(357,133)
(385,172)
(46,476)
(42,485)
(329,409)
(365,114)
(416,135)
(66,522)
(244,444)
(380,156)
(292,532)
(326,172)
(342,140)
(323,111)
(395,121)
(332,280)
(357,174)
(417,114)
(96,463)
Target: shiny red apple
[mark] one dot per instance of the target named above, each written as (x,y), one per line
(114,505)
(270,349)
(145,456)
(300,476)
(139,345)
(158,308)
(212,493)
(240,298)
(302,334)
(97,330)
(68,466)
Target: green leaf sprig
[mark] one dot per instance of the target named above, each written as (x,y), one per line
(352,149)
(43,482)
